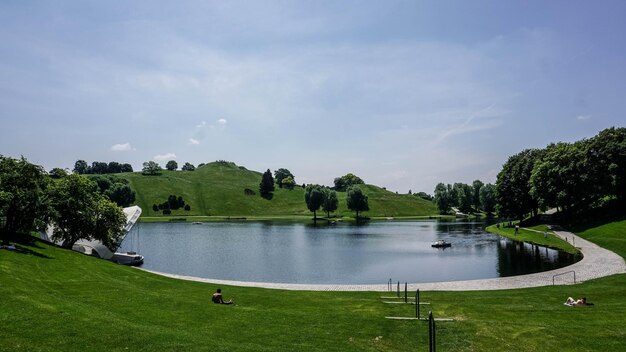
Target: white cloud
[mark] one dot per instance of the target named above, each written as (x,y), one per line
(221,121)
(166,156)
(122,147)
(583,117)
(194,141)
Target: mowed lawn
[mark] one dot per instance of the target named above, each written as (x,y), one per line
(57,300)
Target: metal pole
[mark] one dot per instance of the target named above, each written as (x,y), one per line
(430,331)
(398,294)
(417,303)
(406,298)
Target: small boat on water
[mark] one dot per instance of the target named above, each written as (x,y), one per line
(441,244)
(127,258)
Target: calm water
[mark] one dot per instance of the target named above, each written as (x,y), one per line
(346,254)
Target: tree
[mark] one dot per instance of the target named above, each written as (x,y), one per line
(289,183)
(356,200)
(57,172)
(171,165)
(151,168)
(99,167)
(488,198)
(342,183)
(266,187)
(607,159)
(81,167)
(314,197)
(114,167)
(188,167)
(81,212)
(464,197)
(121,194)
(331,203)
(513,185)
(443,198)
(476,185)
(24,205)
(282,174)
(126,168)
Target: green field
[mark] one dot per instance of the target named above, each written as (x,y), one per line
(217,189)
(57,300)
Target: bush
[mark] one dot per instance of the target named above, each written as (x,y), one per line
(155,207)
(249,192)
(187,207)
(166,212)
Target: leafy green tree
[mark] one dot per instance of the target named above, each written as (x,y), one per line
(126,168)
(188,167)
(24,205)
(465,197)
(121,194)
(443,198)
(331,203)
(477,185)
(314,198)
(114,167)
(81,212)
(81,167)
(356,200)
(99,167)
(282,174)
(424,196)
(266,187)
(171,165)
(151,168)
(288,182)
(342,183)
(513,185)
(562,177)
(607,160)
(57,172)
(488,198)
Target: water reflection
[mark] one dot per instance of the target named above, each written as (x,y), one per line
(341,253)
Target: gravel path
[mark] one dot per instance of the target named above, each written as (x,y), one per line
(597,262)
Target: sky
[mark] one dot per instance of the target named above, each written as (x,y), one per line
(404,94)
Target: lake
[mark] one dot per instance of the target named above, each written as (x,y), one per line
(345,253)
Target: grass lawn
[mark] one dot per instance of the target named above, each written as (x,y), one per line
(57,300)
(536,237)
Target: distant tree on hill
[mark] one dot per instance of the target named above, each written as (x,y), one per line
(314,198)
(266,187)
(288,182)
(57,172)
(331,203)
(81,167)
(121,194)
(282,174)
(151,168)
(188,167)
(424,195)
(171,165)
(356,200)
(99,167)
(342,183)
(126,168)
(114,167)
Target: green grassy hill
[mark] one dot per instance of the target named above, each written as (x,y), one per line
(217,189)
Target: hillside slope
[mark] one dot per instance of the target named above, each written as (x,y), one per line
(217,189)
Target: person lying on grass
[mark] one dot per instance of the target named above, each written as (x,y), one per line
(579,302)
(217,298)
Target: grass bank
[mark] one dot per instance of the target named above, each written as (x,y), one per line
(219,189)
(535,234)
(58,300)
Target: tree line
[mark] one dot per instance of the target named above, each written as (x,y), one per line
(467,198)
(30,200)
(572,177)
(99,167)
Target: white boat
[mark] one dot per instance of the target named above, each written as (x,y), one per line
(128,258)
(441,244)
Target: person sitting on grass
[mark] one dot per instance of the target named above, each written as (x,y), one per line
(217,298)
(573,302)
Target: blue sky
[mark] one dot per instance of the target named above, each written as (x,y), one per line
(404,94)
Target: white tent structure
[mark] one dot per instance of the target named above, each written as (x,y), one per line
(97,249)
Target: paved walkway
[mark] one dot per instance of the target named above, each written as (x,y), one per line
(597,262)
